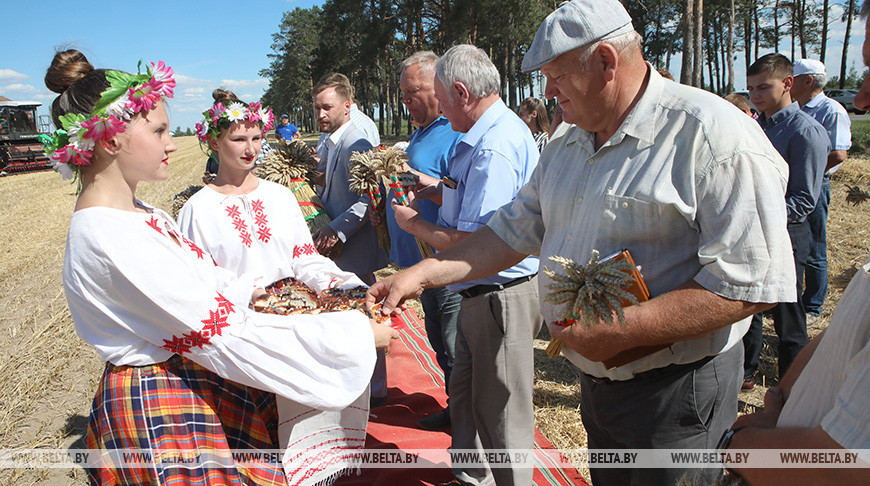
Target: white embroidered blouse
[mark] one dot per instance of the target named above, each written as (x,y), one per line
(139,291)
(262,233)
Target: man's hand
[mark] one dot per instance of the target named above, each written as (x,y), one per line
(317,177)
(596,344)
(394,290)
(374,217)
(773,403)
(406,216)
(384,335)
(428,187)
(327,242)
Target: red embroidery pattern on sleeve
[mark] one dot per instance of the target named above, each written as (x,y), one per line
(155,223)
(214,325)
(240,224)
(306,249)
(263,231)
(199,253)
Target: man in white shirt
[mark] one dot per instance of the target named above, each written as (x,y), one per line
(809,79)
(365,124)
(650,166)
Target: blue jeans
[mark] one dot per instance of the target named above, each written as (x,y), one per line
(441,307)
(816,278)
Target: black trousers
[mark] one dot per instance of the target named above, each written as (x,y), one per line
(789,318)
(676,407)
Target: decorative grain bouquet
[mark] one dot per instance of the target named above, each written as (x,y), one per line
(293,165)
(596,293)
(385,164)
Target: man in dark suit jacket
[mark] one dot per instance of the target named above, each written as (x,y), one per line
(350,239)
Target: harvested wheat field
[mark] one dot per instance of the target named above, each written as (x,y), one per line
(48,375)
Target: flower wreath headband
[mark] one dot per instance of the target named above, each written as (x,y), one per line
(219,117)
(72,145)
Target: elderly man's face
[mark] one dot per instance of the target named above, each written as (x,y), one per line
(577,89)
(331,110)
(418,93)
(862,99)
(452,110)
(802,85)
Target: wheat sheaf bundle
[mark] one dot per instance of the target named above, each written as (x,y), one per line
(855,195)
(363,179)
(592,292)
(388,163)
(179,199)
(293,165)
(289,161)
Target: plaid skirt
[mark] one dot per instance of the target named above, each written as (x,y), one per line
(180,409)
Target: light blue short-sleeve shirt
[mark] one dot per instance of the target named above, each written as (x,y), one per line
(494,159)
(834,118)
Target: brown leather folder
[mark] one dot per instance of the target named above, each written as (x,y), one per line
(639,290)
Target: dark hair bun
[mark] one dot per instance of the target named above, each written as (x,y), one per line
(66,68)
(222,96)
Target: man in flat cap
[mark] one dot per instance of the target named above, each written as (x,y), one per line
(650,166)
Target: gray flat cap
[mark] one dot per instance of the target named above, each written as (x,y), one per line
(575,24)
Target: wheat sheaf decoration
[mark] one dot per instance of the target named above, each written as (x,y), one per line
(288,162)
(363,179)
(390,163)
(855,195)
(593,292)
(293,165)
(179,199)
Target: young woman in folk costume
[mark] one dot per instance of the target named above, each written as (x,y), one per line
(255,227)
(190,371)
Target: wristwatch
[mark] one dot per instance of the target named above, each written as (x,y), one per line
(725,441)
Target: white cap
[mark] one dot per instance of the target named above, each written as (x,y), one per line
(808,66)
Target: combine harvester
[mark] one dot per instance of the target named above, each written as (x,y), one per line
(20,149)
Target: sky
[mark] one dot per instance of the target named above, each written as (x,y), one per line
(212,44)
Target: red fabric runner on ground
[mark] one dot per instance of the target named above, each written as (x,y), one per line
(416,389)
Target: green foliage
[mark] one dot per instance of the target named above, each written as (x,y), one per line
(853,80)
(367,40)
(290,71)
(860,137)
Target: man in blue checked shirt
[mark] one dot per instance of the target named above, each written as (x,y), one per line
(804,145)
(491,384)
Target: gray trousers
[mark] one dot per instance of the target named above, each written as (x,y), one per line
(492,380)
(685,407)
